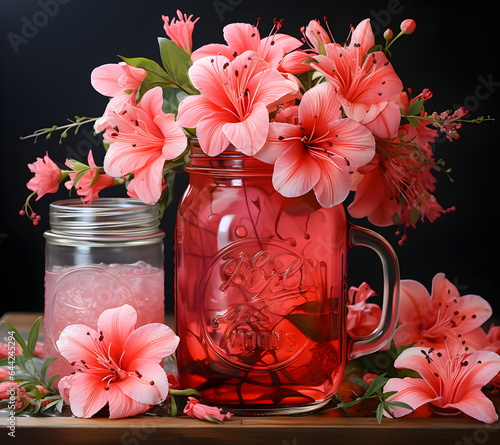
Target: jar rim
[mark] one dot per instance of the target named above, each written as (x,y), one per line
(230,162)
(105,219)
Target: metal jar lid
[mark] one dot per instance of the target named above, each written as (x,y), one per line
(116,221)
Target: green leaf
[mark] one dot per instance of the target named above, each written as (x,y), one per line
(33,336)
(75,165)
(59,405)
(413,121)
(173,409)
(176,62)
(95,178)
(18,337)
(379,412)
(172,97)
(45,366)
(375,48)
(52,380)
(400,404)
(359,381)
(376,384)
(415,107)
(156,75)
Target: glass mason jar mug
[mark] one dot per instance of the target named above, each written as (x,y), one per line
(261,284)
(97,257)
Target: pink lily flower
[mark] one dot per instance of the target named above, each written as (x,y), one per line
(241,37)
(365,85)
(493,336)
(362,318)
(449,381)
(314,35)
(233,105)
(432,319)
(142,139)
(180,31)
(4,375)
(197,410)
(87,187)
(119,81)
(47,176)
(6,388)
(116,364)
(317,148)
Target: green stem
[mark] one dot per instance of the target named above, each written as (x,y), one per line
(393,40)
(477,120)
(42,131)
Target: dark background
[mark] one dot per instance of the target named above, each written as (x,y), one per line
(46,61)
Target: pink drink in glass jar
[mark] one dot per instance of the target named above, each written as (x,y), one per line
(98,257)
(261,286)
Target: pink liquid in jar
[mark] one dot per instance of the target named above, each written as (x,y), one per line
(79,294)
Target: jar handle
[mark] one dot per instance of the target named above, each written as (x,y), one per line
(382,335)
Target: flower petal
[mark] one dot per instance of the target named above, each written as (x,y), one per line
(477,405)
(386,124)
(443,290)
(87,394)
(148,181)
(295,171)
(140,388)
(211,50)
(352,141)
(104,79)
(270,86)
(279,138)
(153,341)
(208,76)
(414,302)
(242,37)
(194,108)
(414,392)
(210,132)
(249,135)
(79,342)
(120,405)
(319,107)
(334,183)
(115,325)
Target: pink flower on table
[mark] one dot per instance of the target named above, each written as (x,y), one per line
(47,176)
(88,187)
(241,37)
(317,148)
(197,410)
(366,84)
(233,105)
(493,337)
(440,317)
(116,364)
(119,81)
(4,374)
(8,388)
(180,30)
(362,317)
(142,139)
(449,381)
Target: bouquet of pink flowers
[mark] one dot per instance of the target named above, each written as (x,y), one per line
(331,118)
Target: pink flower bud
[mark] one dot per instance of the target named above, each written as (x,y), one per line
(408,26)
(388,34)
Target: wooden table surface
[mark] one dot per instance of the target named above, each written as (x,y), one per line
(280,430)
